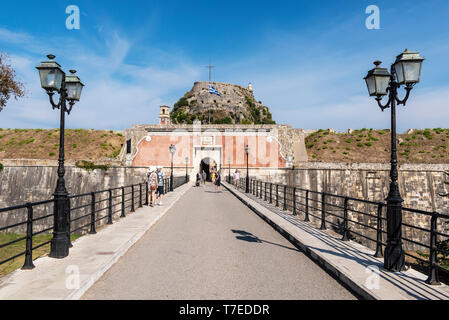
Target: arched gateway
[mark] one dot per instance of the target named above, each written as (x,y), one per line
(208,165)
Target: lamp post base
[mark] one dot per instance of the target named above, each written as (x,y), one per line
(59,247)
(394,258)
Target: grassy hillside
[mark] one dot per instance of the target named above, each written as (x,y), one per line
(368,146)
(44,144)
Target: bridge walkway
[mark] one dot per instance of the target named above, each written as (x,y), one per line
(211,246)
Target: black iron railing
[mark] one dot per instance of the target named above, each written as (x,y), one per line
(353,217)
(86,212)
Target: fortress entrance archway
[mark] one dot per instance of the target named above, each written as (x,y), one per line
(206,158)
(208,165)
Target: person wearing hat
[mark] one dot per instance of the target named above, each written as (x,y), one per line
(160,184)
(152,184)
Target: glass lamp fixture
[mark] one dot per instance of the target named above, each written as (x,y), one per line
(51,74)
(172,149)
(377,80)
(408,67)
(74,86)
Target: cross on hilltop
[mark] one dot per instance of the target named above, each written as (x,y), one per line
(210,71)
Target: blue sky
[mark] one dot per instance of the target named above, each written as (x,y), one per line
(305,59)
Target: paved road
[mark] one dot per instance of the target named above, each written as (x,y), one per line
(210,246)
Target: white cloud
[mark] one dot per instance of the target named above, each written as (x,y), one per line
(117,94)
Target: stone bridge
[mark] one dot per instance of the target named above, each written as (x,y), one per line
(204,243)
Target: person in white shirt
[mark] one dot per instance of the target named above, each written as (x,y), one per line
(236,178)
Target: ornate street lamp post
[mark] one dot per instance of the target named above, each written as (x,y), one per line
(69,89)
(229,167)
(247,169)
(172,152)
(187,175)
(405,71)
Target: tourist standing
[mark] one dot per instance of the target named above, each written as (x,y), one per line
(160,184)
(217,181)
(152,185)
(236,178)
(198,179)
(204,176)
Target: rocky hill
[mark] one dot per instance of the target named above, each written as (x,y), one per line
(235,105)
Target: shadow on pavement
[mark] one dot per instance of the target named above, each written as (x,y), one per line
(249,237)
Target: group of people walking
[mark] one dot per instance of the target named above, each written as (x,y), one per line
(215,177)
(155,181)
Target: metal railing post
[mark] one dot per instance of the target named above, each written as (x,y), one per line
(271,192)
(277,195)
(140,195)
(433,262)
(123,203)
(294,201)
(345,221)
(257,188)
(132,198)
(69,221)
(110,207)
(28,265)
(379,232)
(146,194)
(92,214)
(284,207)
(307,207)
(261,190)
(265,196)
(323,211)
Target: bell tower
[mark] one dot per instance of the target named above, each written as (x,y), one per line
(164,115)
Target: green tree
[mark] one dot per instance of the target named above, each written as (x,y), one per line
(9,85)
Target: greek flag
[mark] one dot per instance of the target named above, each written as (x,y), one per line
(213,90)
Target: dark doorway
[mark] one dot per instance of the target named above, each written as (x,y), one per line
(207,164)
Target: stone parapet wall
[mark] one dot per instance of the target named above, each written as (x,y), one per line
(32,183)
